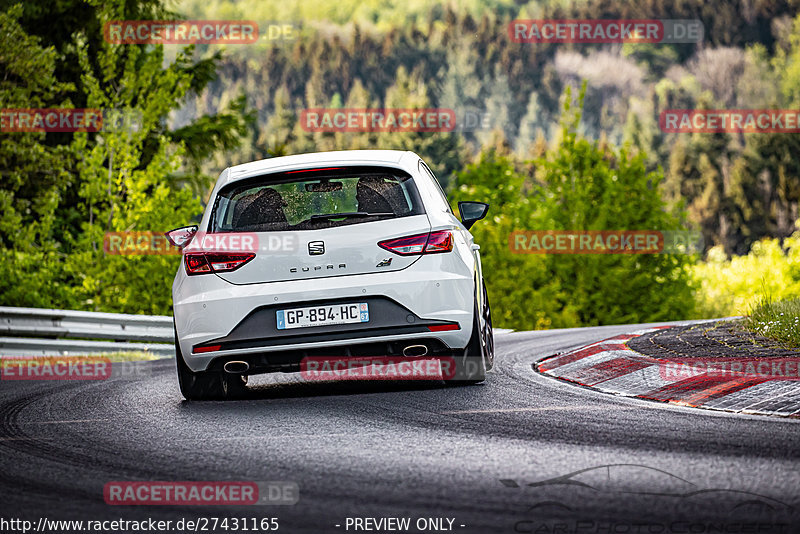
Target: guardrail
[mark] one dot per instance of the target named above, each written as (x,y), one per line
(44,332)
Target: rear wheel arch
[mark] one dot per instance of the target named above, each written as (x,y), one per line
(206,385)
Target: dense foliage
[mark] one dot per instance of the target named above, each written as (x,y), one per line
(731,286)
(60,193)
(576,185)
(542,161)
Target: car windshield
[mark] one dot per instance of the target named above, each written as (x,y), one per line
(310,200)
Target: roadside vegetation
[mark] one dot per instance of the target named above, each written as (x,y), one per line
(730,286)
(777,320)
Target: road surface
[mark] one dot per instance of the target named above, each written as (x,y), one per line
(458,459)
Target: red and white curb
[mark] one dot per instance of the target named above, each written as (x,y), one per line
(610,366)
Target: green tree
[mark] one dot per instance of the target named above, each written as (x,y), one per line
(532,126)
(589,187)
(122,181)
(444,151)
(576,185)
(33,173)
(66,191)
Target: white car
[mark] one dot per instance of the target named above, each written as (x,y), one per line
(331,254)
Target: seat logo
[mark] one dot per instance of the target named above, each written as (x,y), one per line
(316,248)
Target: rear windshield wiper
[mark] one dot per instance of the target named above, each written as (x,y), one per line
(350,214)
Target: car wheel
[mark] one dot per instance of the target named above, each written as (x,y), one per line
(207,385)
(470,365)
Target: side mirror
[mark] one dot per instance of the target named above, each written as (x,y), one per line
(472,212)
(180,237)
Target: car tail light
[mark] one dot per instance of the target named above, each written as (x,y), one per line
(215,262)
(439,242)
(430,243)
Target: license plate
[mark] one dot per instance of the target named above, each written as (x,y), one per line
(323,315)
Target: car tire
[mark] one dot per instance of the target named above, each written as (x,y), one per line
(207,385)
(488,331)
(470,364)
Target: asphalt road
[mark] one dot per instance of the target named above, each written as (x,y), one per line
(413,450)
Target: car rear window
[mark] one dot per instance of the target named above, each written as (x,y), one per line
(314,199)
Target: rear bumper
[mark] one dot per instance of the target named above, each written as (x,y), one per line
(291,360)
(241,318)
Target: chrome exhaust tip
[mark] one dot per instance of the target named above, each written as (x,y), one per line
(415,350)
(236,367)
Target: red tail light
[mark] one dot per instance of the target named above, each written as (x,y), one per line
(414,245)
(439,242)
(215,262)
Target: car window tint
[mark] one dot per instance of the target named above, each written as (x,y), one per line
(285,202)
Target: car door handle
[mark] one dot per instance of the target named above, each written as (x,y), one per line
(475,247)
